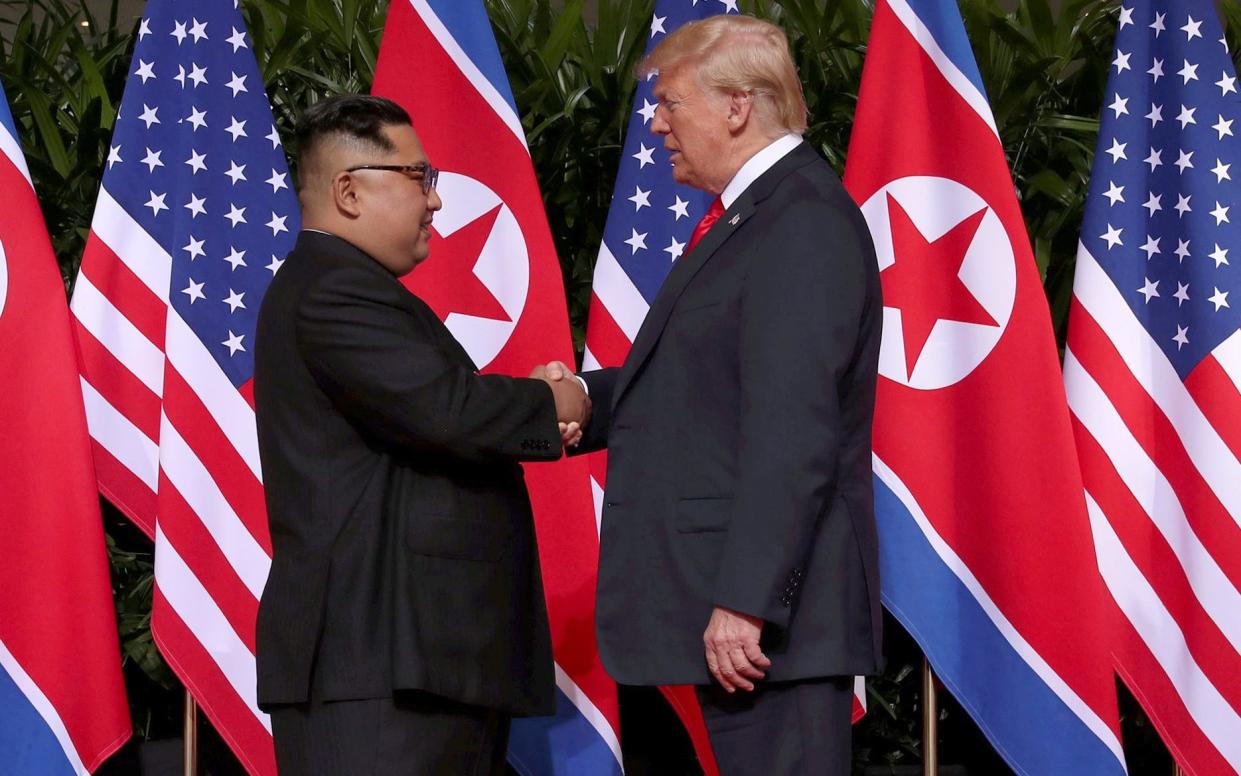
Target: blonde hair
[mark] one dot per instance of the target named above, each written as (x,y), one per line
(738,53)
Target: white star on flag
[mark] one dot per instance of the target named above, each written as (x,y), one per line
(194,291)
(1112,236)
(196,206)
(1149,289)
(640,199)
(149,116)
(194,248)
(233,343)
(237,129)
(236,215)
(198,30)
(636,241)
(234,300)
(145,71)
(276,224)
(236,258)
(156,203)
(198,118)
(237,40)
(196,162)
(237,84)
(152,160)
(276,181)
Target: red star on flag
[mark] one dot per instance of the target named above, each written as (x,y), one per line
(924,284)
(446,280)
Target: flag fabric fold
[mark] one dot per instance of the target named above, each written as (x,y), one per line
(494,278)
(985,542)
(1153,373)
(62,697)
(194,216)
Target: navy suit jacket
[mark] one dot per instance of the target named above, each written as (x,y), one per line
(739,443)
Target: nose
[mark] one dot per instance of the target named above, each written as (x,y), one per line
(659,123)
(434,202)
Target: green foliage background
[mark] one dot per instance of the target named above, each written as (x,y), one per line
(1044,64)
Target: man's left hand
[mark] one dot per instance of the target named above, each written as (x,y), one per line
(733,654)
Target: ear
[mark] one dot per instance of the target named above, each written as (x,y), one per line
(345,195)
(740,110)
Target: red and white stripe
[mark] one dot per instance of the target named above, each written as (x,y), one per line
(1161,465)
(176,450)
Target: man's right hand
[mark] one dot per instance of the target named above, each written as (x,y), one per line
(572,403)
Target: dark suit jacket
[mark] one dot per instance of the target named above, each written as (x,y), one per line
(738,436)
(403,551)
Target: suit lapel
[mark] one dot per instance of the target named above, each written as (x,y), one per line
(687,267)
(322,242)
(682,273)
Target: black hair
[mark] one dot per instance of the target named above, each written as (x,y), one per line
(355,116)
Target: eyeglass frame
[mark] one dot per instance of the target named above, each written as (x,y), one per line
(430,175)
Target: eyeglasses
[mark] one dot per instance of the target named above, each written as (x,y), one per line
(422,171)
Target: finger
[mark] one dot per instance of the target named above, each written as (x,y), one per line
(556,370)
(743,665)
(713,666)
(734,680)
(754,653)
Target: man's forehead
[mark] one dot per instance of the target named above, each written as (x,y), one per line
(672,82)
(405,141)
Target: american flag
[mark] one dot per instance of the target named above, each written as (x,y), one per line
(1153,371)
(648,228)
(194,216)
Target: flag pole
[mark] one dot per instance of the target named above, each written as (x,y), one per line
(190,764)
(930,722)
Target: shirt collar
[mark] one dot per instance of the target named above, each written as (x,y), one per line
(758,164)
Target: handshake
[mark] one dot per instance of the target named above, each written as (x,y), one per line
(572,403)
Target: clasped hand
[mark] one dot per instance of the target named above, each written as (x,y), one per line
(572,403)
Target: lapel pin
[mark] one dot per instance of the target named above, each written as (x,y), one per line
(733,221)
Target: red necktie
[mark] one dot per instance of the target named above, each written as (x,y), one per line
(708,220)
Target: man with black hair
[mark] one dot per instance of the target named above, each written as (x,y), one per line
(403,620)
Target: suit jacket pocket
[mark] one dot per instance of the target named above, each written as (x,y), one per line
(463,538)
(701,515)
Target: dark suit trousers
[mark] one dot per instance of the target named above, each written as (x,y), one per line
(782,728)
(411,734)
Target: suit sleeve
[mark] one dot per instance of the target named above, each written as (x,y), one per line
(382,369)
(599,383)
(800,318)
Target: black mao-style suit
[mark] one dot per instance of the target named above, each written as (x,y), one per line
(738,434)
(403,544)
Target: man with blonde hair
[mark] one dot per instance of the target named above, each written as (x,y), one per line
(738,549)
